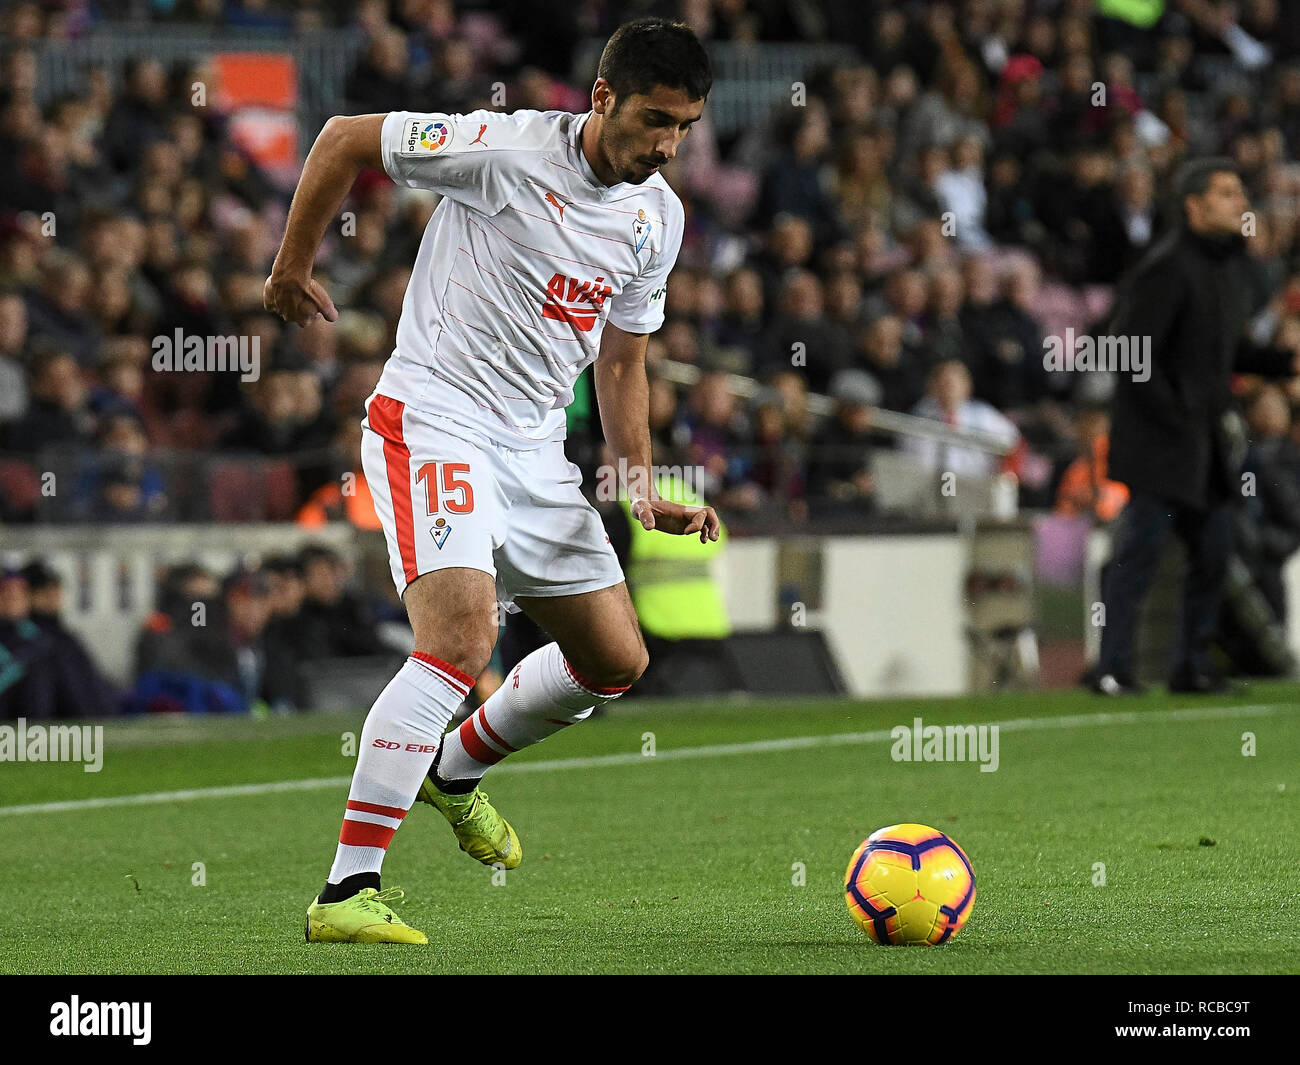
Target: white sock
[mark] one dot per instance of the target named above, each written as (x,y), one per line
(399,740)
(541,695)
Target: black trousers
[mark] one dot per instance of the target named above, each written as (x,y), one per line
(1141,531)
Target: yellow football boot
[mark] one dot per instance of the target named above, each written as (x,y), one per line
(483,833)
(364,918)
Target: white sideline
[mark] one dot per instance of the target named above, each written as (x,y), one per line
(718,750)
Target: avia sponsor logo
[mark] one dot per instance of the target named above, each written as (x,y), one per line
(75,1017)
(572,300)
(413,748)
(53,743)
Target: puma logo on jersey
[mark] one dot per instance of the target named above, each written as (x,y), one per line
(479,139)
(550,198)
(569,299)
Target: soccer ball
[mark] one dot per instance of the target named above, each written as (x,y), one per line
(909,884)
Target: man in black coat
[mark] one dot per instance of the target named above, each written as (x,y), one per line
(1177,439)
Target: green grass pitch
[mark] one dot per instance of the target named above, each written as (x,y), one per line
(686,861)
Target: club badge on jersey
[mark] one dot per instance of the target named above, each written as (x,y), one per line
(640,229)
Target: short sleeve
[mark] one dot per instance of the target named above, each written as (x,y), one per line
(478,159)
(639,308)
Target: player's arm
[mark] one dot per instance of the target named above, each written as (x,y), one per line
(345,146)
(623,395)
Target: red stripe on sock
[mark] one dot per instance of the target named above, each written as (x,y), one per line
(375,808)
(491,732)
(385,418)
(595,689)
(365,834)
(445,667)
(475,747)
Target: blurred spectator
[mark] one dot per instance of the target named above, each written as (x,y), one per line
(1271,532)
(840,469)
(899,371)
(334,621)
(58,414)
(802,335)
(13,339)
(960,191)
(793,184)
(118,483)
(1006,339)
(715,436)
(382,81)
(948,400)
(1085,489)
(741,323)
(80,689)
(28,663)
(282,415)
(345,497)
(59,313)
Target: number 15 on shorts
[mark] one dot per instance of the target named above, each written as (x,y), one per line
(443,483)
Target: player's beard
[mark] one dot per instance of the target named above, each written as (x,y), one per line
(617,147)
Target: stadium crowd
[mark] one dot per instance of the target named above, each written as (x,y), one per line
(975,179)
(213,644)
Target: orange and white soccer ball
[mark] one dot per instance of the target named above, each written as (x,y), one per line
(909,884)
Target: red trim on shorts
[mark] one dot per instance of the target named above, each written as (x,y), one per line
(385,416)
(445,667)
(595,689)
(475,747)
(375,808)
(365,834)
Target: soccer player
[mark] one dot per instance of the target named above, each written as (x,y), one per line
(549,252)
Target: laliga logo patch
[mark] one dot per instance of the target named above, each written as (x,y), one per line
(427,138)
(441,530)
(435,136)
(641,229)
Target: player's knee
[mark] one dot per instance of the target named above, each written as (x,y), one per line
(627,668)
(468,648)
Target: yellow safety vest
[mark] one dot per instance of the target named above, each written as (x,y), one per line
(1141,13)
(668,576)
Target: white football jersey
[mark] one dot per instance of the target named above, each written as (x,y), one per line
(523,262)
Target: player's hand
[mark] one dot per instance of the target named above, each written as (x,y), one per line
(677,519)
(298,300)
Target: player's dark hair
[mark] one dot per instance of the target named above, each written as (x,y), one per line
(1195,177)
(655,51)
